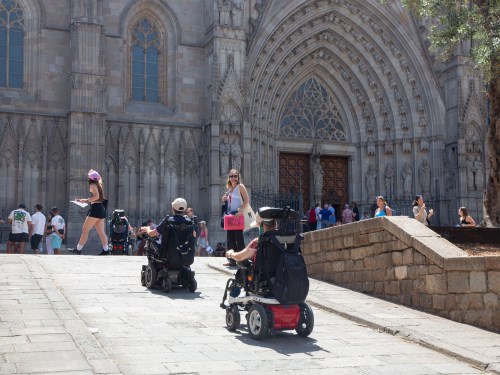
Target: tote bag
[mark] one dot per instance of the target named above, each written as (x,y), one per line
(249,216)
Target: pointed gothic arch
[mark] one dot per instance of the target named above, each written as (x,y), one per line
(312,112)
(26,65)
(162,20)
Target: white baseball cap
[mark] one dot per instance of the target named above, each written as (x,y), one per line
(179,204)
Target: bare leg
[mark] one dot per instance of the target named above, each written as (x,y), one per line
(10,246)
(198,251)
(87,226)
(57,251)
(21,247)
(100,228)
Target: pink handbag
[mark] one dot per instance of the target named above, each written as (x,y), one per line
(233,222)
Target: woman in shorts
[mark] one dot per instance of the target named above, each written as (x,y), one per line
(96,216)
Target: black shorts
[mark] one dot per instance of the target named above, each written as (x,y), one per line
(19,237)
(97,210)
(35,241)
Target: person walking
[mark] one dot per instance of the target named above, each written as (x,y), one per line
(96,216)
(325,217)
(347,215)
(237,198)
(48,233)
(420,212)
(58,229)
(39,221)
(21,229)
(202,240)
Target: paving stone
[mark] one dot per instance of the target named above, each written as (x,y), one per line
(149,332)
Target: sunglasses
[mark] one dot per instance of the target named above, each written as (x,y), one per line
(234,176)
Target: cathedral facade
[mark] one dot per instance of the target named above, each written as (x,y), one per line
(332,100)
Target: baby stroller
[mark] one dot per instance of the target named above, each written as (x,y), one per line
(169,261)
(274,283)
(119,233)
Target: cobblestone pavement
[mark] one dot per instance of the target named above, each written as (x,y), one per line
(90,315)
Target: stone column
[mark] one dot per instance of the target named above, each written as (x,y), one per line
(86,122)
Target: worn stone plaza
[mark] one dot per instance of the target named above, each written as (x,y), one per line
(90,315)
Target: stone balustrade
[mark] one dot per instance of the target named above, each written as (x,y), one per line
(401,260)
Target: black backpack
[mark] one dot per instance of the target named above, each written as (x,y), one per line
(291,283)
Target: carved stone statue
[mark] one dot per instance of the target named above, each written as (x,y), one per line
(318,174)
(470,174)
(371,181)
(225,14)
(389,180)
(236,156)
(224,149)
(407,179)
(479,175)
(424,174)
(237,12)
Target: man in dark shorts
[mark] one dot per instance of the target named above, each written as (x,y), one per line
(21,229)
(38,219)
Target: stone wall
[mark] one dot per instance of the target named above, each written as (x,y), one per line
(398,259)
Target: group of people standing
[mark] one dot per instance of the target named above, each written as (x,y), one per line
(320,218)
(33,228)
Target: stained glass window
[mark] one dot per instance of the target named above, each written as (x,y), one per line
(11,44)
(145,62)
(311,113)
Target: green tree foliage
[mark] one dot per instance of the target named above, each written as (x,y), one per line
(458,21)
(474,24)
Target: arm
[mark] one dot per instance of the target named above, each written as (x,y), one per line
(388,211)
(244,196)
(419,213)
(30,228)
(150,232)
(247,253)
(95,195)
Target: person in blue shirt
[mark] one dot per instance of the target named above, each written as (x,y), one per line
(325,217)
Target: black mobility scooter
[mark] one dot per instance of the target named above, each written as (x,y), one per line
(169,261)
(273,286)
(119,232)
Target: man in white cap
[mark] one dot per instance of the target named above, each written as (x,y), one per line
(249,251)
(179,206)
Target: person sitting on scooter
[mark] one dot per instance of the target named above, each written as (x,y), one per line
(179,205)
(249,251)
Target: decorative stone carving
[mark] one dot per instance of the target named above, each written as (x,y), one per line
(318,174)
(370,147)
(389,180)
(479,175)
(321,119)
(424,175)
(237,14)
(225,14)
(371,181)
(224,151)
(236,155)
(407,175)
(469,166)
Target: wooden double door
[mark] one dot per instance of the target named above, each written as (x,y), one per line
(295,175)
